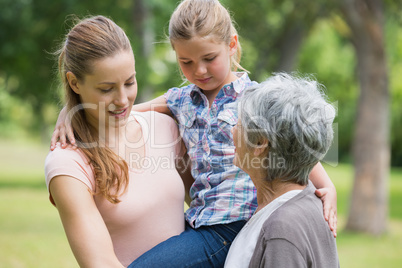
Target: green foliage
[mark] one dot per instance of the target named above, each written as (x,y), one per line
(394,53)
(276,31)
(306,36)
(330,58)
(32,30)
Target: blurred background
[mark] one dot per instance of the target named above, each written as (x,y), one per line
(353,47)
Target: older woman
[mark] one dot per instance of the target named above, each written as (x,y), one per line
(284,129)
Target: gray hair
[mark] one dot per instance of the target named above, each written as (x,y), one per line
(292,114)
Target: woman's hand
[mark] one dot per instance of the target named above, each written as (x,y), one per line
(329,198)
(62,131)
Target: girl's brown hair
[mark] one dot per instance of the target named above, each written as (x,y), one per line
(204,18)
(92,39)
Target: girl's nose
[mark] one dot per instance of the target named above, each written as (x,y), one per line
(200,69)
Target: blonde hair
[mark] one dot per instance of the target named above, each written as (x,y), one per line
(204,18)
(92,39)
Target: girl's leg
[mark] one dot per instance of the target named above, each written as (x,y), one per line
(206,246)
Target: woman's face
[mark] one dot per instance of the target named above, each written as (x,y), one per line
(250,157)
(242,152)
(108,94)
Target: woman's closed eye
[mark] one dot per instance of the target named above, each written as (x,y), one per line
(106,90)
(129,84)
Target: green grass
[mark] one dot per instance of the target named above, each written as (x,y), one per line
(342,176)
(361,250)
(31,234)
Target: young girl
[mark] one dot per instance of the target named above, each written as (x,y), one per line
(222,196)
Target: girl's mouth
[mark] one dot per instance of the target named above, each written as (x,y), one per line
(204,81)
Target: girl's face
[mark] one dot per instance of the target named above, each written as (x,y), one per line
(206,63)
(108,94)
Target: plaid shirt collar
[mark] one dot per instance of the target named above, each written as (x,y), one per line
(231,90)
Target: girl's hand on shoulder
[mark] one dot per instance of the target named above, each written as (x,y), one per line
(329,198)
(62,131)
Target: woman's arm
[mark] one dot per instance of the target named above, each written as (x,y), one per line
(183,166)
(85,229)
(327,192)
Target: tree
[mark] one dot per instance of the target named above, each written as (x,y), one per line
(277,30)
(285,24)
(371,150)
(31,30)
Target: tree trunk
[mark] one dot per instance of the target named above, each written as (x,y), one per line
(286,47)
(369,202)
(142,29)
(289,48)
(142,47)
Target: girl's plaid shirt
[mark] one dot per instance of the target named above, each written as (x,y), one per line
(222,193)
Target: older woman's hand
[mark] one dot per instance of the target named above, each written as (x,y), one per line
(328,198)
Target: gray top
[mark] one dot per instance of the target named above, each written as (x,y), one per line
(296,235)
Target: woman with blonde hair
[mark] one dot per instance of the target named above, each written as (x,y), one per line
(119,193)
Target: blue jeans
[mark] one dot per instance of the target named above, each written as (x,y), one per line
(206,246)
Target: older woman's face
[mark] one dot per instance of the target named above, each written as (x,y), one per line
(242,153)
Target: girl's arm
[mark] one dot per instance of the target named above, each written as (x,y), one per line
(158,105)
(85,229)
(64,133)
(327,192)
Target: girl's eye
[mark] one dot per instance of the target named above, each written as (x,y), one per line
(210,59)
(186,62)
(130,84)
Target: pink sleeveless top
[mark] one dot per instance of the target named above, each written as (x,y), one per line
(152,209)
